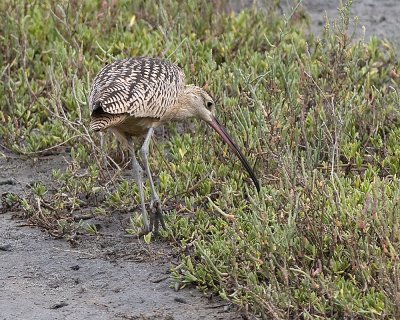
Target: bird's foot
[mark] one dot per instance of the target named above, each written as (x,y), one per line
(145,230)
(156,216)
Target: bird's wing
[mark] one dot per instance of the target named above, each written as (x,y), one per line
(141,87)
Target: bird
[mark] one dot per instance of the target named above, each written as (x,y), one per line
(133,96)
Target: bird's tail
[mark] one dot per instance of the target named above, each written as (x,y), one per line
(101,122)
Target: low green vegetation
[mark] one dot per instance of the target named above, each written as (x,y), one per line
(318,117)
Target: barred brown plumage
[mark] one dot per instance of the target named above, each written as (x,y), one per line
(131,97)
(141,87)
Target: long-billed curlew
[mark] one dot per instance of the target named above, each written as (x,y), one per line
(133,96)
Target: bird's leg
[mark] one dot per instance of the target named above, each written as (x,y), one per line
(105,160)
(145,152)
(155,204)
(138,176)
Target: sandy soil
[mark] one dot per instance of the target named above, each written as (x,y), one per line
(111,276)
(43,278)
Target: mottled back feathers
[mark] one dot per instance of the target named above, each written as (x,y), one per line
(140,87)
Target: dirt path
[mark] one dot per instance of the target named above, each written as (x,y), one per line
(43,278)
(114,277)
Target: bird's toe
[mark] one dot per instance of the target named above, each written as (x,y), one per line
(145,230)
(156,217)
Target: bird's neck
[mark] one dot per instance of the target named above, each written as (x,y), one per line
(183,109)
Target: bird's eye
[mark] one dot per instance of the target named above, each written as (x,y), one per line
(209,104)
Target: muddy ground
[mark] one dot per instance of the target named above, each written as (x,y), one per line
(112,276)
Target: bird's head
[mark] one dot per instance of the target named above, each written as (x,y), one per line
(201,105)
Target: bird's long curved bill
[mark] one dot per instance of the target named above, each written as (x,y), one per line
(234,148)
